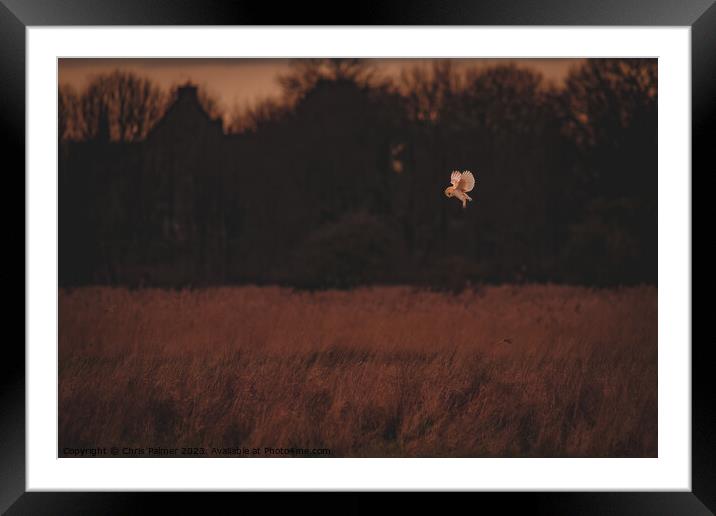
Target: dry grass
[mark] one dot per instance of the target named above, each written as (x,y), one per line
(506,371)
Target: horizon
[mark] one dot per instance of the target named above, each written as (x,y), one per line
(245,82)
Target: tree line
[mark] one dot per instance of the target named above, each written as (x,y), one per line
(338,182)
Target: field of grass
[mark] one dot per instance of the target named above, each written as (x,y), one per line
(524,371)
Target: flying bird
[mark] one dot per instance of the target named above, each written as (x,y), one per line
(461,184)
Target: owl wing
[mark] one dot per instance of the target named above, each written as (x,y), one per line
(455,178)
(467,181)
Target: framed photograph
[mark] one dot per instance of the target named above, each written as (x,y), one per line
(445,250)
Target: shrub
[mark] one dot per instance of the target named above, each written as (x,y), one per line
(357,249)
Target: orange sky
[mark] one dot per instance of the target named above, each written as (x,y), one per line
(244,81)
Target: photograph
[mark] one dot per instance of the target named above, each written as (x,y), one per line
(357,257)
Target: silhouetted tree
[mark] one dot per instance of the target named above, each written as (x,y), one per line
(306,73)
(208,100)
(131,105)
(68,113)
(429,93)
(610,112)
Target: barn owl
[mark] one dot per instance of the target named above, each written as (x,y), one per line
(461,184)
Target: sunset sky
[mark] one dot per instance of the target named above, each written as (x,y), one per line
(244,81)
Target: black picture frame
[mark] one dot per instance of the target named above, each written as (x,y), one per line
(17,15)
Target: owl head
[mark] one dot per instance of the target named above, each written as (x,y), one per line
(449,191)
